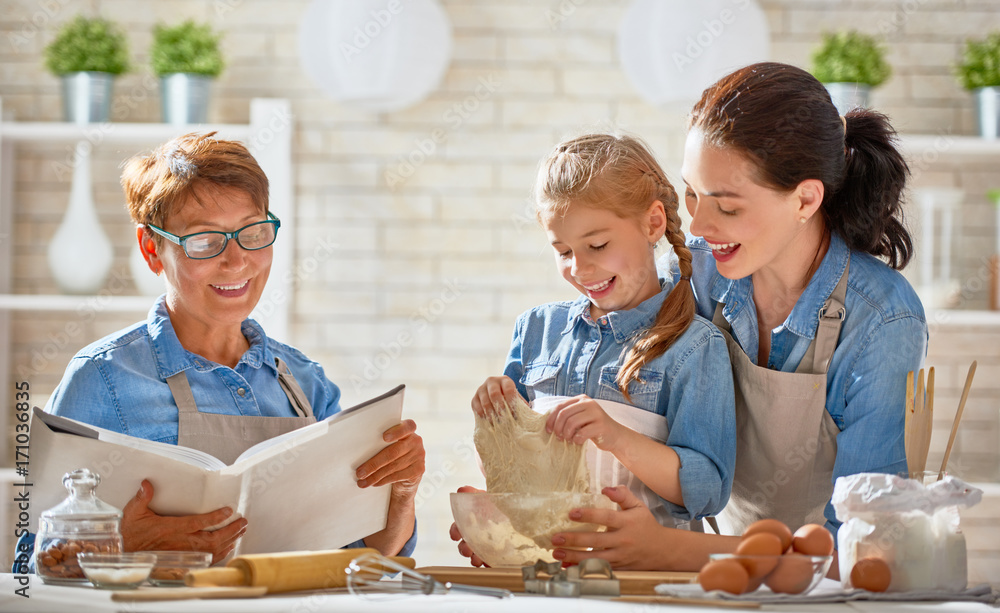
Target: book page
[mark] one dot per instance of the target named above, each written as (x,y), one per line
(305,432)
(59,423)
(301,495)
(178,487)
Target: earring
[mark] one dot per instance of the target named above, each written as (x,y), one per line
(802,220)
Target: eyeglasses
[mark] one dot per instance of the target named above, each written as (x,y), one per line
(205,245)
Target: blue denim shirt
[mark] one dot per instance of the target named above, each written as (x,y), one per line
(119,383)
(883,336)
(558,350)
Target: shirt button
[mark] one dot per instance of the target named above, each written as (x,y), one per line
(241,392)
(603,320)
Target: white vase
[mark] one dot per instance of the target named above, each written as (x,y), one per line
(80,254)
(146,282)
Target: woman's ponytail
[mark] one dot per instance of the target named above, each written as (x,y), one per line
(866,211)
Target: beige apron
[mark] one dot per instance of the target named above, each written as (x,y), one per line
(607,471)
(227,436)
(786,441)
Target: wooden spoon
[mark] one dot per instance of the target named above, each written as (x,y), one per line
(958,416)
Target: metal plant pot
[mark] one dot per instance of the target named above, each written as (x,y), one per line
(184,98)
(847,96)
(87,96)
(988,112)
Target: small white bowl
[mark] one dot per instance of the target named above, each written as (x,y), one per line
(117,571)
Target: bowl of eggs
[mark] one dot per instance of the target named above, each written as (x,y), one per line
(770,555)
(506,529)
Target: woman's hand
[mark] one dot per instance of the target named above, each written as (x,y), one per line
(401,463)
(580,419)
(144,530)
(634,539)
(494,391)
(463,547)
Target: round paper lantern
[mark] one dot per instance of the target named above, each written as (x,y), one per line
(380,55)
(672,50)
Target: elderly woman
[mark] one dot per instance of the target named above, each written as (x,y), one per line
(198,372)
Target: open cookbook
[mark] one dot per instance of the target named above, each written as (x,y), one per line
(298,490)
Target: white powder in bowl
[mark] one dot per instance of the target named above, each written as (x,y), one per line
(117,576)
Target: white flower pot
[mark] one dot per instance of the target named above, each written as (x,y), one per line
(847,96)
(988,112)
(87,96)
(184,98)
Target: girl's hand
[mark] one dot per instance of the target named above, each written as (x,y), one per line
(463,547)
(496,390)
(580,419)
(634,539)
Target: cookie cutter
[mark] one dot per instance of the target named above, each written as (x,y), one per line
(591,577)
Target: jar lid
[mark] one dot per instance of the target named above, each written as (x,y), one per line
(82,503)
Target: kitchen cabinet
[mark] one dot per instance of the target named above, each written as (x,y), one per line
(268,135)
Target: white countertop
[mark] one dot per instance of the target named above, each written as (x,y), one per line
(51,598)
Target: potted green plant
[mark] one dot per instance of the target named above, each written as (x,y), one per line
(187,59)
(979,72)
(87,54)
(850,64)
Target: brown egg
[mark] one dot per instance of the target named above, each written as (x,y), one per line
(871,574)
(772,526)
(792,576)
(813,540)
(754,584)
(726,575)
(761,551)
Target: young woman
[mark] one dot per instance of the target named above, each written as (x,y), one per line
(639,373)
(800,217)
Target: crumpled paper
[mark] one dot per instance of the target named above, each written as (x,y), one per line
(866,493)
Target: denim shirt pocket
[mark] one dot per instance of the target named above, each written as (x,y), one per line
(644,393)
(541,379)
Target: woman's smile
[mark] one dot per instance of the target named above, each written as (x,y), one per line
(723,252)
(232,290)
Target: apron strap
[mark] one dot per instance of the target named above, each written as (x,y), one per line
(181,391)
(719,319)
(184,399)
(300,403)
(831,318)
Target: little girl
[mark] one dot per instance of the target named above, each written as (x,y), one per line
(648,381)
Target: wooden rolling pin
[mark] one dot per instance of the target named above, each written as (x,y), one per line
(285,572)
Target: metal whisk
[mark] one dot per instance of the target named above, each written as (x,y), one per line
(365,577)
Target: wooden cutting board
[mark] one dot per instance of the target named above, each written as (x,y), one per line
(632,582)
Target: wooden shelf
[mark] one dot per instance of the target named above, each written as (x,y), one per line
(112,132)
(63,302)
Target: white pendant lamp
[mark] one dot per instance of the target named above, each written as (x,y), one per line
(378,55)
(671,50)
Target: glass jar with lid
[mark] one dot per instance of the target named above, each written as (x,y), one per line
(81,523)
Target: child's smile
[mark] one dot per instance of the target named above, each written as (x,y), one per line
(607,258)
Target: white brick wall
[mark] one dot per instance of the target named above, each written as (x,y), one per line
(385,254)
